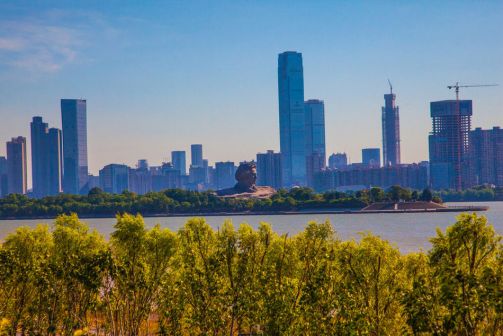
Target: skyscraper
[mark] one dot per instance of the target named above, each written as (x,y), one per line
(45,158)
(315,138)
(178,160)
(269,169)
(114,178)
(16,165)
(38,157)
(371,157)
(224,174)
(292,118)
(196,155)
(75,168)
(486,156)
(448,143)
(3,176)
(390,130)
(54,161)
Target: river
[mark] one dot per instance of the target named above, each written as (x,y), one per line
(409,232)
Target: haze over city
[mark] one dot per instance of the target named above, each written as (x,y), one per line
(160,77)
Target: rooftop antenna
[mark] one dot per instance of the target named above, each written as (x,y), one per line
(390,87)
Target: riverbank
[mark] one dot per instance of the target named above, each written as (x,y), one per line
(465,208)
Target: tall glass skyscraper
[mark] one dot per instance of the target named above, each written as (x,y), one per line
(39,165)
(75,168)
(196,155)
(315,138)
(46,161)
(390,131)
(292,123)
(54,161)
(16,166)
(178,160)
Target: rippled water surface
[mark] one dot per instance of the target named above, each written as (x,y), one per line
(410,232)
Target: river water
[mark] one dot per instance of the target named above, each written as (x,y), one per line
(409,232)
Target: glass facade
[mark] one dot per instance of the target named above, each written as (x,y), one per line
(114,178)
(179,163)
(196,155)
(45,158)
(16,166)
(75,167)
(371,157)
(292,118)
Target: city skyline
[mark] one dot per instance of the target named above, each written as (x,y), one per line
(349,73)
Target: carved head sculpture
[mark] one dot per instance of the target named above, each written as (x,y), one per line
(246,175)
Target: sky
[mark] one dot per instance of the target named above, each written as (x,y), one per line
(161,75)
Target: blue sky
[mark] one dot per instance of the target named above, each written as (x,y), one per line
(161,75)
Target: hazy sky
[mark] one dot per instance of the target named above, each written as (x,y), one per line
(161,75)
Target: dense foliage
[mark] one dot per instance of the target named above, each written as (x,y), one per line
(201,281)
(482,193)
(98,203)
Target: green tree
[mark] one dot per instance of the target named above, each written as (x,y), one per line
(23,260)
(467,262)
(426,195)
(141,262)
(376,194)
(373,280)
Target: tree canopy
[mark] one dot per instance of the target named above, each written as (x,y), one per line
(68,280)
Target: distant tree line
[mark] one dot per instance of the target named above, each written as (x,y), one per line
(475,194)
(177,201)
(69,280)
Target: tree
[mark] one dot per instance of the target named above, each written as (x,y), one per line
(141,262)
(376,194)
(466,261)
(373,279)
(77,264)
(23,260)
(426,195)
(397,193)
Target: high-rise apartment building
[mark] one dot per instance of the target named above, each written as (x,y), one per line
(3,176)
(54,161)
(39,165)
(371,157)
(448,143)
(46,159)
(486,156)
(338,161)
(390,130)
(179,162)
(224,174)
(75,167)
(315,138)
(292,120)
(269,169)
(16,165)
(114,178)
(196,155)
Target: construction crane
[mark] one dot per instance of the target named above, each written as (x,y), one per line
(390,86)
(459,131)
(457,86)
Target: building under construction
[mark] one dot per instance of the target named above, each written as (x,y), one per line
(449,144)
(390,130)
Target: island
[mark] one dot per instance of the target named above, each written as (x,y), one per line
(177,202)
